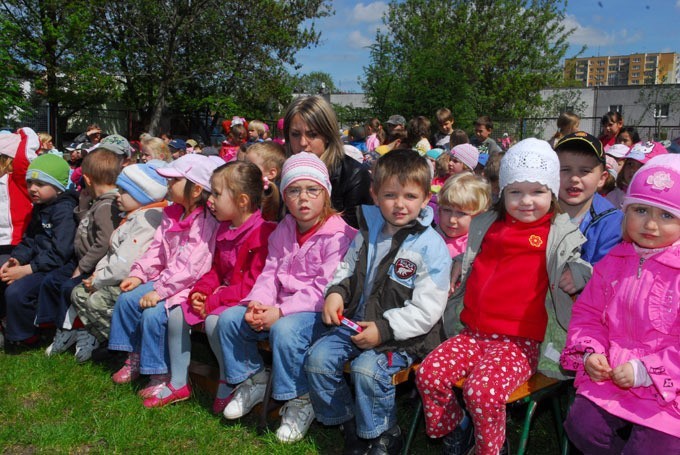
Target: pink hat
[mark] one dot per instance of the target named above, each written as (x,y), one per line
(194,167)
(644,151)
(25,138)
(305,166)
(466,154)
(617,150)
(279,124)
(657,183)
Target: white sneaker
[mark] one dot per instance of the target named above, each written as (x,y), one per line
(85,344)
(246,396)
(63,340)
(296,417)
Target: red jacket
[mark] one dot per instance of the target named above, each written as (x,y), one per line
(239,257)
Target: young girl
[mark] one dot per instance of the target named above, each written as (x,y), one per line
(504,317)
(611,124)
(463,197)
(237,133)
(567,123)
(623,335)
(638,155)
(376,135)
(285,303)
(180,253)
(269,157)
(241,250)
(418,130)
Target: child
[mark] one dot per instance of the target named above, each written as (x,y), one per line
(611,124)
(445,122)
(17,150)
(463,158)
(46,143)
(180,253)
(178,148)
(638,155)
(357,138)
(393,282)
(504,318)
(418,133)
(47,245)
(582,174)
(376,134)
(240,253)
(463,197)
(97,219)
(256,131)
(567,123)
(141,196)
(285,301)
(395,139)
(482,138)
(623,335)
(628,136)
(236,135)
(269,157)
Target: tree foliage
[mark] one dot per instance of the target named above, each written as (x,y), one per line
(312,83)
(474,56)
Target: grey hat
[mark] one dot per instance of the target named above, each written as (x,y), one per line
(396,120)
(116,144)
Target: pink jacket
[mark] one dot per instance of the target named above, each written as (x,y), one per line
(239,257)
(629,310)
(179,254)
(294,278)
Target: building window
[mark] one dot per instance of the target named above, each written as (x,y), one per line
(636,82)
(636,67)
(661,110)
(636,74)
(636,60)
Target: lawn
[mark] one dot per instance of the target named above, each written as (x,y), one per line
(54,405)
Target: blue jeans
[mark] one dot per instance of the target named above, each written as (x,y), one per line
(134,329)
(374,407)
(290,337)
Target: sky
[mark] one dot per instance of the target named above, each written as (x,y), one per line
(606,27)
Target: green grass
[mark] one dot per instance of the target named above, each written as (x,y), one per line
(54,405)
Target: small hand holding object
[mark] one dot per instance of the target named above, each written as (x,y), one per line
(369,336)
(129,283)
(332,306)
(624,376)
(597,367)
(150,299)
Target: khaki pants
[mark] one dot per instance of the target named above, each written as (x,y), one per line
(95,309)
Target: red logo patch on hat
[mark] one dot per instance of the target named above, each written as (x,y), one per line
(404,268)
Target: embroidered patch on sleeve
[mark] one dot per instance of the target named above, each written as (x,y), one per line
(404,268)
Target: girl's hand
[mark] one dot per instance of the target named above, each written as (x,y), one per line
(369,337)
(456,271)
(263,316)
(597,367)
(249,317)
(197,300)
(624,376)
(567,282)
(331,307)
(129,283)
(150,299)
(16,272)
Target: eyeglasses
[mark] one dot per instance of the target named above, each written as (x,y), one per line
(295,192)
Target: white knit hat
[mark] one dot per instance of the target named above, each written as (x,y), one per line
(531,160)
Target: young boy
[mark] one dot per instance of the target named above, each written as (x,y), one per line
(141,195)
(582,174)
(482,139)
(394,282)
(97,218)
(445,121)
(47,245)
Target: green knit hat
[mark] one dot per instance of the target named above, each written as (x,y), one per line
(50,169)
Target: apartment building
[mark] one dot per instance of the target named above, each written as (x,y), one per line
(616,70)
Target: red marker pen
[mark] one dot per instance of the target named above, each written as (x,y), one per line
(349,323)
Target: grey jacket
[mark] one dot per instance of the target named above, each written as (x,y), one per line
(97,220)
(564,244)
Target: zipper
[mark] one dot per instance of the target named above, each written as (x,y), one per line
(639,270)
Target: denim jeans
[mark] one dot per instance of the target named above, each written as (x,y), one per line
(134,329)
(290,337)
(374,408)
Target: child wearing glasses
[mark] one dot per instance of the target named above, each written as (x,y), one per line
(284,304)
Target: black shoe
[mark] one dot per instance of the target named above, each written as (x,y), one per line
(459,441)
(354,445)
(389,443)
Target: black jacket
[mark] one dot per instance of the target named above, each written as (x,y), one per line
(351,183)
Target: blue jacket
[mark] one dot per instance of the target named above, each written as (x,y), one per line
(47,243)
(602,228)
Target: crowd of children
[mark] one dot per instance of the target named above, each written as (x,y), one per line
(402,253)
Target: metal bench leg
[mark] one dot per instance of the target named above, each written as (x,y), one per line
(417,414)
(531,408)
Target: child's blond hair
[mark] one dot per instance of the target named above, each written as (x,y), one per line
(467,191)
(272,154)
(258,126)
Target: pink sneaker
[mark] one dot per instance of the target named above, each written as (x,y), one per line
(130,370)
(156,382)
(220,403)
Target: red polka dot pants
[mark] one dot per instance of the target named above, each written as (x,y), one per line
(494,365)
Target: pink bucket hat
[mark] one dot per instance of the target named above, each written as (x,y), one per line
(617,150)
(657,183)
(467,154)
(645,151)
(194,167)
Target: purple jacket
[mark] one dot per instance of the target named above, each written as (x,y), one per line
(180,253)
(629,310)
(294,278)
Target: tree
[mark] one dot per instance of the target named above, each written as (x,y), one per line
(205,53)
(657,101)
(475,57)
(49,45)
(311,83)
